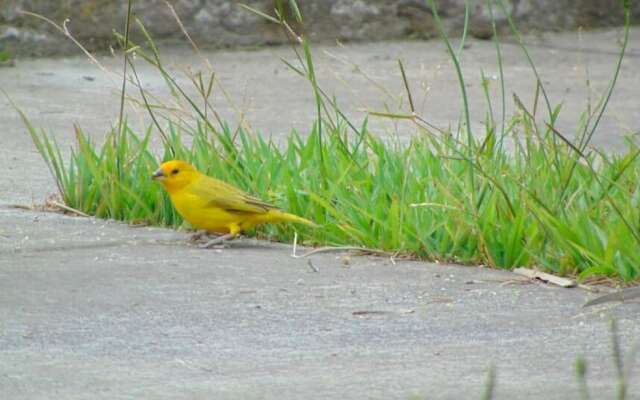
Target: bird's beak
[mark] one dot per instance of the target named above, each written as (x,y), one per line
(158,175)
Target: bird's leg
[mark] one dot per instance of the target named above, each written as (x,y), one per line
(234,230)
(219,240)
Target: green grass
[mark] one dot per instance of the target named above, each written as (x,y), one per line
(5,56)
(517,193)
(413,199)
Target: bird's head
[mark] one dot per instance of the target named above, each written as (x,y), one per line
(175,174)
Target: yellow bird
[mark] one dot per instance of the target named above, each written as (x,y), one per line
(215,206)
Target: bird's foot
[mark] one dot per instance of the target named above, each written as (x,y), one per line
(202,235)
(219,241)
(197,236)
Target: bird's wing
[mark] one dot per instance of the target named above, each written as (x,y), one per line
(222,195)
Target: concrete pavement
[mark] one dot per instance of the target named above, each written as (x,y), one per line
(94,309)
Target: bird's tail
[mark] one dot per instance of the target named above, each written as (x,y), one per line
(281,216)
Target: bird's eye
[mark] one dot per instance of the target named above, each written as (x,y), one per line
(175,171)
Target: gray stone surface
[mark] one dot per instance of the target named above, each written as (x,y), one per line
(223,23)
(92,309)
